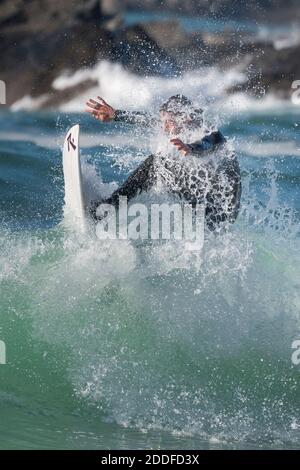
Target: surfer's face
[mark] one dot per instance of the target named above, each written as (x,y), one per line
(173,123)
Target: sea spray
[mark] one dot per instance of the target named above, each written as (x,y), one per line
(107,340)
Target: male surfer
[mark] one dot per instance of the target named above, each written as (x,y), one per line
(205,171)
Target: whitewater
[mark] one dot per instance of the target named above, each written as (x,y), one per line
(119,344)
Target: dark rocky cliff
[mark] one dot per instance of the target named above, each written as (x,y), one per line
(40,39)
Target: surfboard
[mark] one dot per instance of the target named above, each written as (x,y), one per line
(75,204)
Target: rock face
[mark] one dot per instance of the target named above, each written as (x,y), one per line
(274,71)
(32,64)
(37,16)
(137,49)
(41,39)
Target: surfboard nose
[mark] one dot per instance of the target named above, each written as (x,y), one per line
(75,204)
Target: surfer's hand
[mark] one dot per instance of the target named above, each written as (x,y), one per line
(184,148)
(100,109)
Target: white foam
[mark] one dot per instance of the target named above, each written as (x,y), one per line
(283,37)
(269,149)
(242,103)
(27,103)
(86,140)
(129,91)
(125,90)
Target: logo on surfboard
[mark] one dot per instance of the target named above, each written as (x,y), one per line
(70,141)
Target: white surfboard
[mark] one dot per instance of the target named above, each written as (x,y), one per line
(75,204)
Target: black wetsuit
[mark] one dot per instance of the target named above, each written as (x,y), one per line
(218,186)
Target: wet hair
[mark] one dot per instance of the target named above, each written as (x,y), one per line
(180,105)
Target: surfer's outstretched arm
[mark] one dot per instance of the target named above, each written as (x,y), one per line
(135,117)
(208,144)
(103,112)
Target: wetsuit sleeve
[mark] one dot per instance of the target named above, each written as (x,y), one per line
(135,117)
(208,144)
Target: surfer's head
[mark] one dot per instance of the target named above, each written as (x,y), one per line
(178,113)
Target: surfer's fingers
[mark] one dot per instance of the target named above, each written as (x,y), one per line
(94,113)
(93,105)
(102,101)
(181,146)
(99,106)
(177,143)
(91,110)
(94,101)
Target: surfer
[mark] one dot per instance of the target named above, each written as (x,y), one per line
(204,171)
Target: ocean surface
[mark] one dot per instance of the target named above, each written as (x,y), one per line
(115,345)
